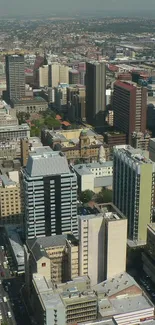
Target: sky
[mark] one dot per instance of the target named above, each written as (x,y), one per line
(50,7)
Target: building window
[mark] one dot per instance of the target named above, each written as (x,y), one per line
(43,264)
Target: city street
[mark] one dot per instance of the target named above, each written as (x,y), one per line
(10,287)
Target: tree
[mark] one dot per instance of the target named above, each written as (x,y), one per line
(104,196)
(86,196)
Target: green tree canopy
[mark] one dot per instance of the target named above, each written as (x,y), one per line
(86,196)
(104,196)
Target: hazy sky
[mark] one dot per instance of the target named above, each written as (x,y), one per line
(13,7)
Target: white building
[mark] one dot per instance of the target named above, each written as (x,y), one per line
(94,176)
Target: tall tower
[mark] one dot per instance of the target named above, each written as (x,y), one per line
(15,76)
(130,107)
(133,189)
(95,89)
(50,194)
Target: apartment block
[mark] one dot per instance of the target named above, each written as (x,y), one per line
(50,192)
(102,244)
(140,140)
(133,189)
(43,76)
(11,199)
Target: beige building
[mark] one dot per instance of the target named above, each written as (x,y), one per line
(55,257)
(102,244)
(82,145)
(11,201)
(29,105)
(43,76)
(58,74)
(140,140)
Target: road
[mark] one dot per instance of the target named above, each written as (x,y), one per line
(10,287)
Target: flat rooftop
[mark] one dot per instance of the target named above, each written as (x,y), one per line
(136,155)
(12,128)
(29,100)
(115,285)
(131,304)
(16,244)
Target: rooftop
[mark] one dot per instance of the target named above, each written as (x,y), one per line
(136,155)
(44,161)
(10,128)
(6,181)
(16,244)
(114,286)
(29,100)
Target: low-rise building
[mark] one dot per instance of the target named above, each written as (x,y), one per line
(14,132)
(140,140)
(94,176)
(116,301)
(30,105)
(81,145)
(15,245)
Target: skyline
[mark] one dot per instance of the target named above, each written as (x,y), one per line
(102,7)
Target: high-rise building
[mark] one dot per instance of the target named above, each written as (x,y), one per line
(95,89)
(130,107)
(76,98)
(102,245)
(74,77)
(50,192)
(43,76)
(133,189)
(58,74)
(15,76)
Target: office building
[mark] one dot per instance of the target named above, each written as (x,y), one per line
(50,192)
(152,149)
(95,89)
(55,257)
(11,199)
(148,256)
(140,140)
(14,132)
(43,76)
(133,189)
(74,77)
(76,99)
(130,106)
(61,97)
(58,74)
(15,76)
(77,302)
(102,244)
(94,176)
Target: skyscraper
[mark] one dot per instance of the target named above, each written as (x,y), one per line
(50,192)
(95,89)
(15,76)
(133,189)
(130,107)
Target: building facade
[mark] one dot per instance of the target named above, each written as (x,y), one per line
(95,89)
(15,76)
(50,192)
(130,107)
(133,189)
(101,237)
